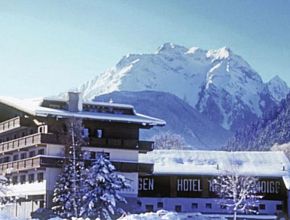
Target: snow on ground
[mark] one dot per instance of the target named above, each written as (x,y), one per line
(5,216)
(152,216)
(165,215)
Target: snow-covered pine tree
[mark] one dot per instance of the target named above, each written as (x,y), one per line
(101,190)
(67,193)
(238,193)
(3,191)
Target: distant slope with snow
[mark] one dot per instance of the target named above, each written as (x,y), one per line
(273,128)
(180,117)
(218,83)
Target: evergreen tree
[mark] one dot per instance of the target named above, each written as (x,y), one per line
(101,190)
(67,193)
(3,191)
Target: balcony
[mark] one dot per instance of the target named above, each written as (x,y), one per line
(129,167)
(144,168)
(30,163)
(145,146)
(10,124)
(27,141)
(130,144)
(41,161)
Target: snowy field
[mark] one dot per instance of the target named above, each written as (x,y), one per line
(165,215)
(159,215)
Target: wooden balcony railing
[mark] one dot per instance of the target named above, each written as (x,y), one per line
(131,144)
(42,161)
(20,165)
(10,124)
(133,167)
(27,141)
(145,146)
(30,163)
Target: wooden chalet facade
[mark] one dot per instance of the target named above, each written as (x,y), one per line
(32,148)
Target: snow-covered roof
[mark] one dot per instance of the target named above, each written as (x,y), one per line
(194,162)
(33,107)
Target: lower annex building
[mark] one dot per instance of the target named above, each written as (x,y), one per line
(32,147)
(182,180)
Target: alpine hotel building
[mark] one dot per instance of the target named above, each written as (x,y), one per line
(32,148)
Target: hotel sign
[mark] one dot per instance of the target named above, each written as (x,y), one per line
(188,185)
(200,186)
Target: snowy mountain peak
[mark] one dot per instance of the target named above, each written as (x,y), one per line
(219,54)
(127,60)
(168,48)
(218,83)
(196,50)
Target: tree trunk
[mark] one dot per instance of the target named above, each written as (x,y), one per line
(235,215)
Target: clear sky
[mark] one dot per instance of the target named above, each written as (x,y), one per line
(51,46)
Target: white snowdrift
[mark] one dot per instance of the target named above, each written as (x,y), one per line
(165,215)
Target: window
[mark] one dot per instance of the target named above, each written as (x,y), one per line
(41,204)
(149,208)
(160,205)
(139,203)
(31,178)
(23,156)
(85,133)
(31,153)
(262,206)
(22,179)
(6,159)
(41,152)
(208,205)
(15,157)
(194,205)
(42,129)
(99,133)
(279,207)
(14,180)
(178,208)
(40,177)
(93,155)
(223,206)
(104,154)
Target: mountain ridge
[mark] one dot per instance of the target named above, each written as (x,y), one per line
(218,83)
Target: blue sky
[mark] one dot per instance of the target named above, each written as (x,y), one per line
(52,46)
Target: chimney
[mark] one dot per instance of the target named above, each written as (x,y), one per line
(75,102)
